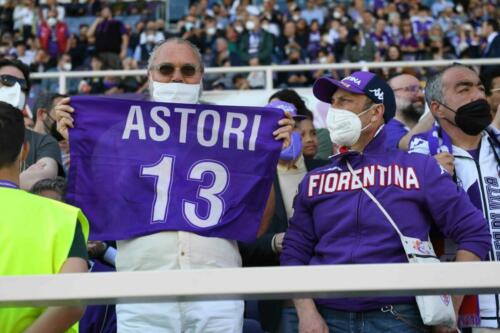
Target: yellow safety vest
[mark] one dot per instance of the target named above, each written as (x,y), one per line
(36,235)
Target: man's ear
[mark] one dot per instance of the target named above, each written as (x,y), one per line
(378,113)
(25,149)
(41,114)
(436,110)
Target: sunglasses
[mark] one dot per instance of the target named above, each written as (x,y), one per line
(166,69)
(9,81)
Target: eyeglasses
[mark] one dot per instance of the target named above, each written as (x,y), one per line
(413,89)
(9,81)
(167,69)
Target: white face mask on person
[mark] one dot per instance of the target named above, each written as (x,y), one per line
(13,96)
(344,126)
(175,92)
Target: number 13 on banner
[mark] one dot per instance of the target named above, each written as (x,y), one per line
(163,171)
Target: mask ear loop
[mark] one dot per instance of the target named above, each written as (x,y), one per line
(455,112)
(363,112)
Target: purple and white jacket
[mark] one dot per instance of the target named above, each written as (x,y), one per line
(334,222)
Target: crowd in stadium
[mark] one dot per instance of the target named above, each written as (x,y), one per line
(236,33)
(373,120)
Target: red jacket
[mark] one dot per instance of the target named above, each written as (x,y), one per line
(62,36)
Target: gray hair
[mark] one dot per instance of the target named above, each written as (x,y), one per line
(434,87)
(177,40)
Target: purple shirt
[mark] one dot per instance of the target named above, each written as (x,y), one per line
(336,223)
(394,131)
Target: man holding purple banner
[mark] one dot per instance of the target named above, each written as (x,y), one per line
(175,74)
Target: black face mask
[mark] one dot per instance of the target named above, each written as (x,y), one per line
(55,134)
(473,117)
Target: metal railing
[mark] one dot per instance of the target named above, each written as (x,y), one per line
(269,70)
(252,283)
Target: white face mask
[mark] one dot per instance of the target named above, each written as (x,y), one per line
(13,96)
(51,21)
(175,92)
(344,126)
(250,25)
(211,31)
(66,66)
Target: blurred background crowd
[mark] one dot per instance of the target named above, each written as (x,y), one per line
(52,36)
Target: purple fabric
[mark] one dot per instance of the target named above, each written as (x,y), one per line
(103,26)
(385,38)
(99,318)
(408,41)
(334,222)
(395,130)
(287,107)
(218,189)
(439,141)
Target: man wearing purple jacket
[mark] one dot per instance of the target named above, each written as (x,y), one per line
(334,222)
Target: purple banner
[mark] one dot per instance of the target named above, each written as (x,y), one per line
(140,167)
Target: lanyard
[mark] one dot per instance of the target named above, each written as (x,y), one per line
(6,183)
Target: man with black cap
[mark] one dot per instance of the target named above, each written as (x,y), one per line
(336,222)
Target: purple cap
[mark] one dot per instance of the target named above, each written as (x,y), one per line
(288,107)
(364,83)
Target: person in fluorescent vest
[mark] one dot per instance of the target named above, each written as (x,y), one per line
(37,235)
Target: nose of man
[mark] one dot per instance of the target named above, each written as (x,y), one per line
(177,76)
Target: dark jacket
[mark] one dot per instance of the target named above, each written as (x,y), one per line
(264,54)
(260,252)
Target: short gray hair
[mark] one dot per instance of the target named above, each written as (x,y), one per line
(177,40)
(434,87)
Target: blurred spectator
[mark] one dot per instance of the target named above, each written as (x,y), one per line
(130,84)
(312,12)
(63,65)
(135,35)
(393,54)
(93,85)
(287,40)
(24,18)
(302,34)
(256,45)
(422,22)
(299,78)
(152,29)
(324,57)
(359,48)
(22,54)
(314,40)
(143,50)
(381,37)
(408,43)
(240,82)
(6,16)
(53,5)
(111,39)
(439,6)
(76,9)
(491,81)
(41,63)
(490,33)
(53,34)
